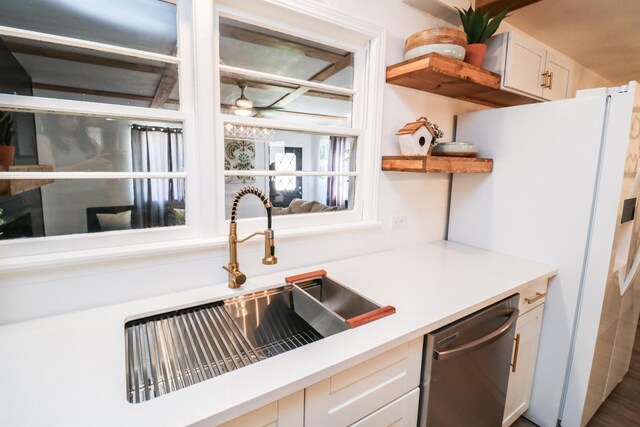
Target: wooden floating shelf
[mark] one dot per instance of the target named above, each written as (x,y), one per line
(436,164)
(450,77)
(12,187)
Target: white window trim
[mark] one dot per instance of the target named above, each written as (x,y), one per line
(86,44)
(367,112)
(196,37)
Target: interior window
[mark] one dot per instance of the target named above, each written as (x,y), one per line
(257,71)
(280,77)
(75,172)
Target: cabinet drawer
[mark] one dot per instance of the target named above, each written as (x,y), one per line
(533,296)
(349,396)
(402,412)
(286,412)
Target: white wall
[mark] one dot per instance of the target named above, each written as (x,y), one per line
(422,199)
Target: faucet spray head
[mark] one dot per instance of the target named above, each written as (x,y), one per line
(269,248)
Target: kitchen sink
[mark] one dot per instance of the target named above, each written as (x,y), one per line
(179,348)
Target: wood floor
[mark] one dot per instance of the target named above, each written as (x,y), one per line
(523,422)
(622,408)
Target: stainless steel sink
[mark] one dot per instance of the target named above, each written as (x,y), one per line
(173,350)
(176,349)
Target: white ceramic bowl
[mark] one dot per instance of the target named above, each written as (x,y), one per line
(455,149)
(450,50)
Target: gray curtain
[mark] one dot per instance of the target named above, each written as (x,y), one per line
(156,149)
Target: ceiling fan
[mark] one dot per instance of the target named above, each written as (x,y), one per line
(244,106)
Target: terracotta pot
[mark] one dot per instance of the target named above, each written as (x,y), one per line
(7,152)
(475,54)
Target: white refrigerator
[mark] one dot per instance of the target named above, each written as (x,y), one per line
(563,191)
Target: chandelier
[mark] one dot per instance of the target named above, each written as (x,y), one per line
(248,132)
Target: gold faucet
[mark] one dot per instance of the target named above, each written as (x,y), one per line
(236,277)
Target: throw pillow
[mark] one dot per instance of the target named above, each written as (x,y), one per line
(118,221)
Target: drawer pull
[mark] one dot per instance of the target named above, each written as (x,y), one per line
(539,296)
(515,353)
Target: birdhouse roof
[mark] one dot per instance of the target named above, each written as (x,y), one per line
(413,127)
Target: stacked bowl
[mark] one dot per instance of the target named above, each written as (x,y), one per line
(449,42)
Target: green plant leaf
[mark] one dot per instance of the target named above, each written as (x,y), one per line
(464,19)
(476,28)
(6,128)
(493,25)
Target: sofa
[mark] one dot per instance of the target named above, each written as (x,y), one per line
(299,206)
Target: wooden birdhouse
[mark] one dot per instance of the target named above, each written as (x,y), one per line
(415,138)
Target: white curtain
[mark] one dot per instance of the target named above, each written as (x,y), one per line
(156,149)
(339,161)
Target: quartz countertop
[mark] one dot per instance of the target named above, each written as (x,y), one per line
(69,370)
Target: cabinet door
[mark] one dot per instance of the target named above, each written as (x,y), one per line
(525,65)
(402,412)
(351,395)
(521,381)
(286,412)
(560,80)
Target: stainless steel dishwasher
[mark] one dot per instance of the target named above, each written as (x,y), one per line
(466,368)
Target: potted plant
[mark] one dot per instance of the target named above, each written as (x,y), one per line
(478,27)
(7,151)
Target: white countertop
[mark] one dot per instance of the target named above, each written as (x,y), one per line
(69,370)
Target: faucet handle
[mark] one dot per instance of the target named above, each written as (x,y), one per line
(238,277)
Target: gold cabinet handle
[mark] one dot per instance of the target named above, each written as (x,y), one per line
(514,365)
(550,81)
(539,296)
(544,79)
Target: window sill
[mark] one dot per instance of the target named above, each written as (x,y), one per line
(150,250)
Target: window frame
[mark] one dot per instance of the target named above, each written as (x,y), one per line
(197,37)
(366,42)
(185,115)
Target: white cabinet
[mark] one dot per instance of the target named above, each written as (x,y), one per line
(560,70)
(402,412)
(529,67)
(286,412)
(382,391)
(525,351)
(524,363)
(354,394)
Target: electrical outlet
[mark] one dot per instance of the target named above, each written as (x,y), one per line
(398,221)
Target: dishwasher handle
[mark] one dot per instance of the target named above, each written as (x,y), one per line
(480,342)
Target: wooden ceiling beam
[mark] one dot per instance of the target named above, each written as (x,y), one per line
(95,92)
(321,76)
(280,87)
(295,113)
(285,88)
(500,5)
(46,52)
(333,69)
(168,81)
(267,40)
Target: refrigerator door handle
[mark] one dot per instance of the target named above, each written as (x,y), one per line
(480,342)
